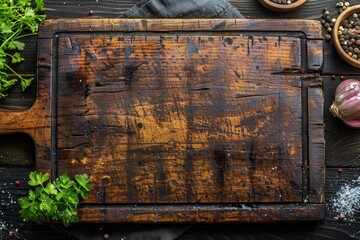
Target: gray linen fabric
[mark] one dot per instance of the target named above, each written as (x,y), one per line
(183,9)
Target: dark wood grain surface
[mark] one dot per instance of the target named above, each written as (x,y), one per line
(17,152)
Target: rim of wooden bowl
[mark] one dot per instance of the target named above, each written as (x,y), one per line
(344,15)
(282,7)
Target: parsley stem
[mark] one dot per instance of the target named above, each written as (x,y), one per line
(26,35)
(8,67)
(10,38)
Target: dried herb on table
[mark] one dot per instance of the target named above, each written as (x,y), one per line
(18,19)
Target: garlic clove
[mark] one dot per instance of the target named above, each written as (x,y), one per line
(355,123)
(345,95)
(346,104)
(350,108)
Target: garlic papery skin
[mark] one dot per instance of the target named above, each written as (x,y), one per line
(346,104)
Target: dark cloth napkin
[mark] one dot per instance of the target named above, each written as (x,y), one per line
(183,9)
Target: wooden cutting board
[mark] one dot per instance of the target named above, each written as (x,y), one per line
(199,120)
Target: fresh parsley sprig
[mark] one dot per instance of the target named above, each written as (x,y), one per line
(18,19)
(57,201)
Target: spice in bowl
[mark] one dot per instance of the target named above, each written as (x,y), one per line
(346,35)
(349,36)
(284,1)
(282,5)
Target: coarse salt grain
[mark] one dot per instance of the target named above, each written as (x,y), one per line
(347,200)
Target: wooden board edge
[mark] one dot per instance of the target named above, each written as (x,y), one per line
(201,213)
(48,28)
(44,103)
(316,145)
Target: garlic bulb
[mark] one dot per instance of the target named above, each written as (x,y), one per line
(346,104)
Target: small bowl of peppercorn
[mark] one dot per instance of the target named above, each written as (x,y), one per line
(282,5)
(346,35)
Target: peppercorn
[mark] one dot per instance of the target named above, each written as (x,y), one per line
(17,183)
(348,31)
(340,170)
(333,76)
(283,1)
(342,78)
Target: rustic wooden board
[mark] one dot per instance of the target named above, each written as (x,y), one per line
(182,120)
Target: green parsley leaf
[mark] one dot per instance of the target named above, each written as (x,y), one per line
(50,189)
(57,201)
(83,180)
(16,45)
(18,19)
(16,58)
(38,178)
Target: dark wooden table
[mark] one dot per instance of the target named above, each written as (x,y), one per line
(342,151)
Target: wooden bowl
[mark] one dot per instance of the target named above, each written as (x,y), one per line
(282,7)
(344,15)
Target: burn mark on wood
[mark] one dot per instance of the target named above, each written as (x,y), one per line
(129,73)
(144,23)
(75,49)
(161,41)
(191,48)
(229,41)
(220,26)
(99,84)
(86,90)
(104,182)
(91,55)
(220,167)
(250,44)
(127,50)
